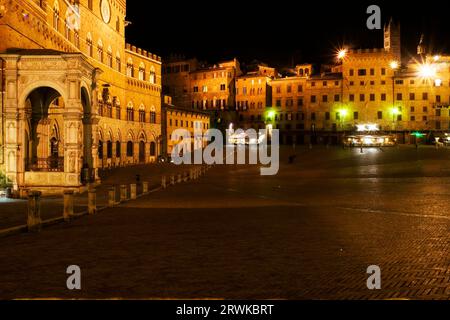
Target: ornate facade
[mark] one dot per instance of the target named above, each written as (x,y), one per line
(75,97)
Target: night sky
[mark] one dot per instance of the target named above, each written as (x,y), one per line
(281,33)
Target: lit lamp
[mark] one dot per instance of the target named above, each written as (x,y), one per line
(341,54)
(342,114)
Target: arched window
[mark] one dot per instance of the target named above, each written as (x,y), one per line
(89,47)
(109,57)
(118,151)
(130,112)
(152,115)
(109,149)
(67,24)
(100,50)
(116,103)
(118,62)
(142,72)
(152,77)
(152,149)
(142,113)
(130,68)
(56,15)
(130,149)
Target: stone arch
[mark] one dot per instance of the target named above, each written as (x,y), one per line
(41,84)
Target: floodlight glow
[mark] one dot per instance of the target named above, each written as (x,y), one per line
(427,71)
(342,53)
(394,65)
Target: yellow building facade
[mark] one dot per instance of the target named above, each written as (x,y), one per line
(194,121)
(76,97)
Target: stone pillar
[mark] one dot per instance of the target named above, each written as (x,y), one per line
(172,179)
(111,196)
(163,182)
(92,201)
(133,193)
(68,204)
(34,211)
(123,193)
(145,185)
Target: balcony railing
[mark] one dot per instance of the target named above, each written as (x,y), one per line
(52,164)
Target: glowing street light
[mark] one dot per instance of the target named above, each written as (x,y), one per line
(342,53)
(394,65)
(427,71)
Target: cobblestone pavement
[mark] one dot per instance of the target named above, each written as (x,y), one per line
(13,211)
(308,233)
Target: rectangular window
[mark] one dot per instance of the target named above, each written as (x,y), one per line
(362,97)
(380,115)
(412,96)
(351,97)
(383,71)
(351,73)
(313,99)
(362,72)
(324,98)
(372,72)
(337,98)
(383,97)
(300,88)
(425,96)
(355,115)
(399,97)
(300,102)
(327,116)
(372,97)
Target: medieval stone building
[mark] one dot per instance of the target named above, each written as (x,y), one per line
(74,96)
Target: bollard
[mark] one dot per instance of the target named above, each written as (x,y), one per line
(145,187)
(123,193)
(163,182)
(92,201)
(111,196)
(172,179)
(34,211)
(133,191)
(68,205)
(180,178)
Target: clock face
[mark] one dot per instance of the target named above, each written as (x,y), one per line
(105,9)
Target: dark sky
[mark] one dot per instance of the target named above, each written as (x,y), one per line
(280,32)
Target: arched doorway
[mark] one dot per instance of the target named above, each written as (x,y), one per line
(141,151)
(44,149)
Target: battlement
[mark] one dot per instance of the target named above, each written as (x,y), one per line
(142,52)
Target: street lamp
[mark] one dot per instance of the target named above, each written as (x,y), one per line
(341,54)
(394,65)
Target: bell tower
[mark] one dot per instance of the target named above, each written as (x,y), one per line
(392,39)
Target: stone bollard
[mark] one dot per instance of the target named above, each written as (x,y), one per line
(92,201)
(163,182)
(34,211)
(172,179)
(186,176)
(123,193)
(111,196)
(145,187)
(133,193)
(68,205)
(180,178)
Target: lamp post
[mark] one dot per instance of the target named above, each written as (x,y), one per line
(394,67)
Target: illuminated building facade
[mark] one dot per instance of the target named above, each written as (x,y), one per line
(75,96)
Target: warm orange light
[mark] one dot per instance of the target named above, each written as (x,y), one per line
(394,65)
(342,53)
